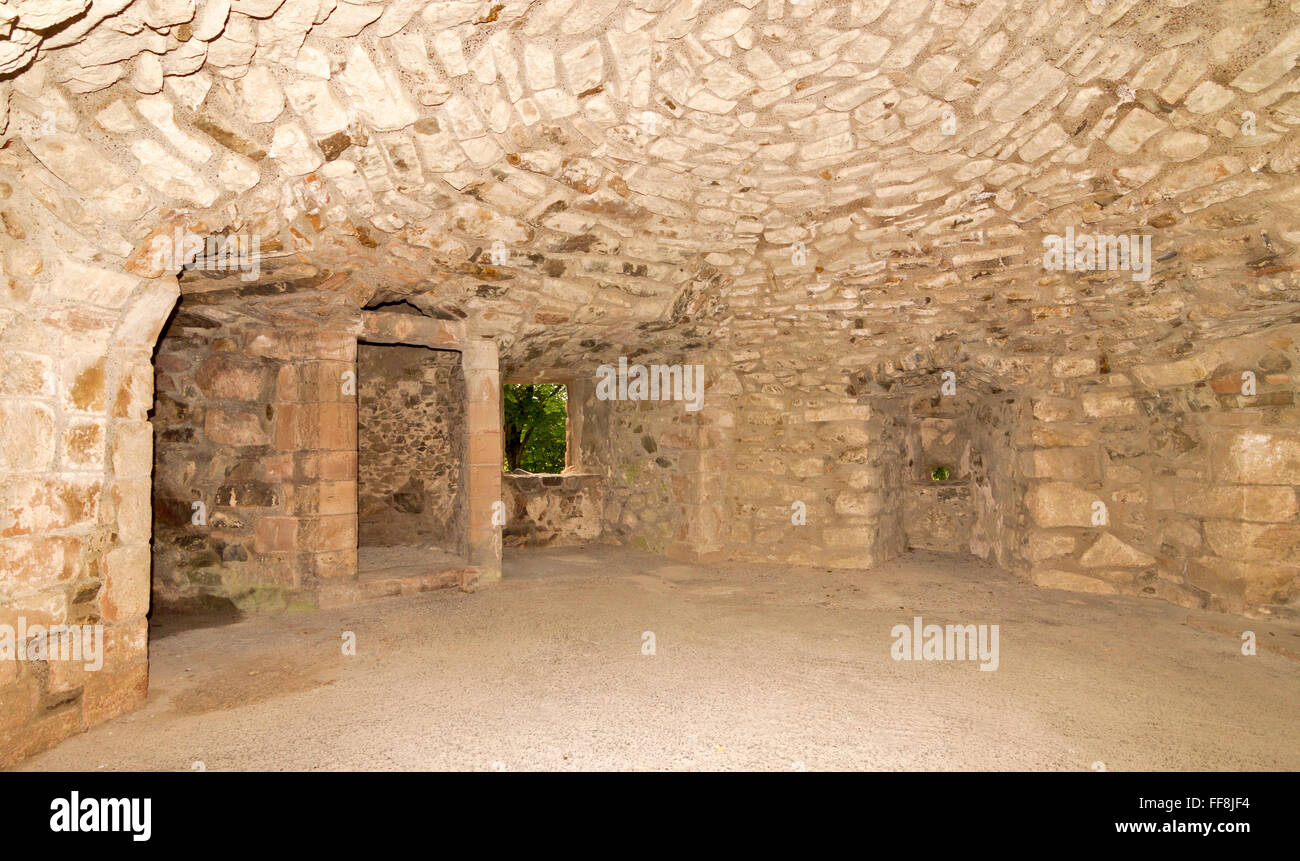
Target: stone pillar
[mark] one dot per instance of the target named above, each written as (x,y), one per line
(323,443)
(483,387)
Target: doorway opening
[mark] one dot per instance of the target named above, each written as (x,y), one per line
(412,504)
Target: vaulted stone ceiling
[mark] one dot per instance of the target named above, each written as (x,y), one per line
(870,180)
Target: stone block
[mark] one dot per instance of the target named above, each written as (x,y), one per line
(1052,578)
(1055,503)
(1253,541)
(132,449)
(28,438)
(126,583)
(227,377)
(1064,464)
(1255,456)
(109,694)
(1110,552)
(1107,404)
(276,534)
(1261,503)
(237,427)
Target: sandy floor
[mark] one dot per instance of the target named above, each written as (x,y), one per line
(756,667)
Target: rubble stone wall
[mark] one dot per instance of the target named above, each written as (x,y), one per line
(653,474)
(543,510)
(411,447)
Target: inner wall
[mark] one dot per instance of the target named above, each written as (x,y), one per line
(411,417)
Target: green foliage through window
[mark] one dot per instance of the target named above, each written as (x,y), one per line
(535,426)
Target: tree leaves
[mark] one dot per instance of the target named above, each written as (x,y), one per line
(536,417)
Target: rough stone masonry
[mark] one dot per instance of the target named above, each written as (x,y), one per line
(853,214)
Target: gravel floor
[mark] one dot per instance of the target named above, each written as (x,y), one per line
(754,667)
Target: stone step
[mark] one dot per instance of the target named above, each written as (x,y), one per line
(390,584)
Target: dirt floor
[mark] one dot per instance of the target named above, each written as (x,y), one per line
(401,559)
(754,667)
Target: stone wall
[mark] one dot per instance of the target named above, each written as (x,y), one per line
(75,457)
(652,450)
(255,467)
(781,464)
(544,510)
(997,487)
(1170,481)
(665,466)
(815,468)
(1162,481)
(411,447)
(1225,465)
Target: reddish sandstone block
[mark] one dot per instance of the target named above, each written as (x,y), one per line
(480,515)
(126,583)
(338,426)
(338,465)
(20,699)
(485,448)
(134,391)
(109,694)
(37,608)
(276,467)
(483,387)
(336,533)
(340,346)
(1227,384)
(338,497)
(484,481)
(286,384)
(276,534)
(286,427)
(83,380)
(484,416)
(306,427)
(83,444)
(67,675)
(27,436)
(40,734)
(336,564)
(125,644)
(324,381)
(133,449)
(26,375)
